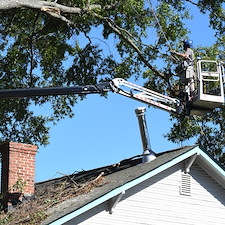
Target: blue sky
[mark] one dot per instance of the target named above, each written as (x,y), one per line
(105,131)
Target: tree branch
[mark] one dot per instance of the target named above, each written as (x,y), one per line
(32,52)
(52,8)
(36,4)
(207,8)
(119,32)
(194,3)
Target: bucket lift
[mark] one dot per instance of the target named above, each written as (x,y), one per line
(210,91)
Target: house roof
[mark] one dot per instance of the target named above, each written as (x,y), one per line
(126,174)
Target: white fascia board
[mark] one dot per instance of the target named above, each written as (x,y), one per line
(213,163)
(213,167)
(121,189)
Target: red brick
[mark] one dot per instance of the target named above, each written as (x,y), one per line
(18,162)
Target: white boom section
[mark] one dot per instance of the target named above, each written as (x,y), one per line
(145,95)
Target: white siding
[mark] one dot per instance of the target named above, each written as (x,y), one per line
(158,201)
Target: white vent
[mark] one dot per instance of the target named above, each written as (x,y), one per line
(185,187)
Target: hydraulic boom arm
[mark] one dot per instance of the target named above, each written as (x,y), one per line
(117,85)
(31,92)
(144,95)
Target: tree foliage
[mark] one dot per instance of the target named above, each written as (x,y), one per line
(63,43)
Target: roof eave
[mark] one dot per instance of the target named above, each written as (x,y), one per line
(203,158)
(212,167)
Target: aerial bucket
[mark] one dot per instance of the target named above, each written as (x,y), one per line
(210,92)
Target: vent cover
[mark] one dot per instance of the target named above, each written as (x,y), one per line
(185,187)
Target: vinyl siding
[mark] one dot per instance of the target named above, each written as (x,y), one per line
(158,201)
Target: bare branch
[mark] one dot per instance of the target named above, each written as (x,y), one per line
(35,4)
(47,5)
(194,3)
(52,8)
(119,32)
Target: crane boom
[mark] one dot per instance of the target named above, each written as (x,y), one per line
(117,85)
(53,91)
(208,96)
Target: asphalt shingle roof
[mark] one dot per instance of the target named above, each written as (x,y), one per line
(114,176)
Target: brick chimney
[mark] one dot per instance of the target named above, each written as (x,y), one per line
(18,171)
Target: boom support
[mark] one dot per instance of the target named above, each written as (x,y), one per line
(145,95)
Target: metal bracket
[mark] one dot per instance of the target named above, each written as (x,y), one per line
(114,201)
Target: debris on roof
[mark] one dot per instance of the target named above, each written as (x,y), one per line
(52,192)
